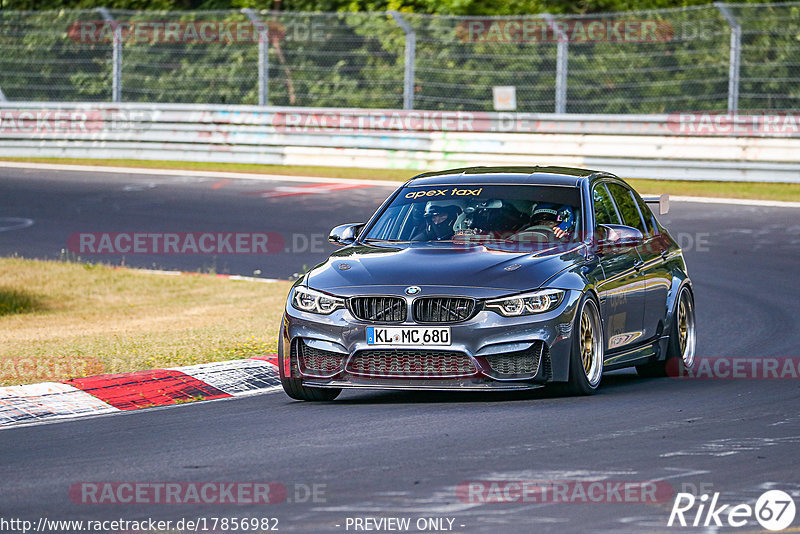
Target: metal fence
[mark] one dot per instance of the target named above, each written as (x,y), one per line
(734,57)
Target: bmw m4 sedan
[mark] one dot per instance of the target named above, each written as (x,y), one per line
(492,278)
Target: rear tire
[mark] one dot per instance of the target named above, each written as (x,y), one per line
(295,389)
(681,345)
(586,356)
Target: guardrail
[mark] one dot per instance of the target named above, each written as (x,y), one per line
(683,146)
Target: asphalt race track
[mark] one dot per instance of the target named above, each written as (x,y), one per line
(66,203)
(402,455)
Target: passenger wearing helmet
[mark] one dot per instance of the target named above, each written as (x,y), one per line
(494,215)
(439,221)
(559,217)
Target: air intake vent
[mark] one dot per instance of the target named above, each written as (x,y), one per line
(319,363)
(411,364)
(519,364)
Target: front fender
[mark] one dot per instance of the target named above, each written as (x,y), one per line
(578,278)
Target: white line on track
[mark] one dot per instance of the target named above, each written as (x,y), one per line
(739,201)
(227,276)
(14,223)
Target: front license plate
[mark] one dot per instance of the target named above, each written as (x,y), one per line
(407,337)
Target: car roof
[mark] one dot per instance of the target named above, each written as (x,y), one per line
(506,175)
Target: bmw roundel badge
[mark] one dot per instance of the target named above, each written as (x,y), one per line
(412,290)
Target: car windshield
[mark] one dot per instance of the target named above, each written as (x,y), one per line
(479,212)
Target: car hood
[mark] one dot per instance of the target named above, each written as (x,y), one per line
(440,268)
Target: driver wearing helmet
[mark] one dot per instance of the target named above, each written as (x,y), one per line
(559,217)
(440,220)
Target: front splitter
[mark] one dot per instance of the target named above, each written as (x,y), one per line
(423,385)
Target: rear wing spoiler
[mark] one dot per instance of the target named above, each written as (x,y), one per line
(662,201)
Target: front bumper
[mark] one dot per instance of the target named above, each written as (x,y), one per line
(484,340)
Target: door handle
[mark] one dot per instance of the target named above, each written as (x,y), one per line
(638,264)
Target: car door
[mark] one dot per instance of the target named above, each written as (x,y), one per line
(622,289)
(652,268)
(657,272)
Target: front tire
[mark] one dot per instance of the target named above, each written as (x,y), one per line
(295,389)
(586,357)
(681,345)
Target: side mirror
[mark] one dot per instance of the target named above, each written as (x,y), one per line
(345,234)
(618,236)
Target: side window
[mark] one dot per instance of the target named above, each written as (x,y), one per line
(627,207)
(649,218)
(604,212)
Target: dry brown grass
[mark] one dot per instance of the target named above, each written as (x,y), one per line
(65,320)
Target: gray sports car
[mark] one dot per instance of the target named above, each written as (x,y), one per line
(492,279)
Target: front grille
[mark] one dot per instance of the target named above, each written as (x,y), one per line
(522,363)
(411,363)
(318,362)
(379,309)
(443,309)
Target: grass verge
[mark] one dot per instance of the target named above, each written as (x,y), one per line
(758,191)
(67,320)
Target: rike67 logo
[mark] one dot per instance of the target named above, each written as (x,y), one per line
(774,510)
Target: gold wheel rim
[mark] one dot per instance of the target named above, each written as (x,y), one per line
(683,325)
(686,328)
(587,343)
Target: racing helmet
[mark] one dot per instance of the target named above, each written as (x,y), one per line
(441,228)
(559,215)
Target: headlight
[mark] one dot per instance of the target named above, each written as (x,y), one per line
(308,300)
(527,303)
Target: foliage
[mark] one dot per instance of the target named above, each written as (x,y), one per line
(353,58)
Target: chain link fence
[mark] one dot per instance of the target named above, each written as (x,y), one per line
(722,57)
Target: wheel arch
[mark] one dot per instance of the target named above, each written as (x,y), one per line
(678,283)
